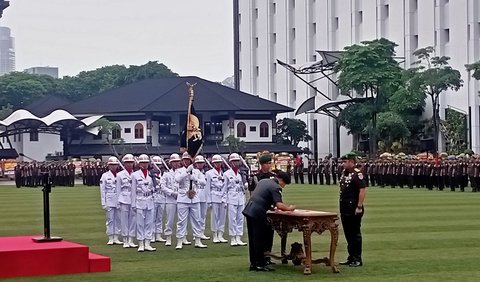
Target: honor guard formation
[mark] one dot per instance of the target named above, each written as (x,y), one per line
(29,174)
(401,170)
(143,196)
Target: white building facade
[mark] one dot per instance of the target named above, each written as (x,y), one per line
(292,30)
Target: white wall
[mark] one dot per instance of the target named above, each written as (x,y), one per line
(37,150)
(412,24)
(254,136)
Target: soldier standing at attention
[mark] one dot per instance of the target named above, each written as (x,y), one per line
(235,189)
(143,203)
(109,198)
(265,171)
(352,196)
(127,213)
(320,170)
(217,198)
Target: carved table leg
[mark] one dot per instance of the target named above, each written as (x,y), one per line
(333,246)
(308,250)
(283,245)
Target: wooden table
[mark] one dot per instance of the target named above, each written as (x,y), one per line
(307,222)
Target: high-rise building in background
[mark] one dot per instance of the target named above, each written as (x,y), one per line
(293,30)
(51,71)
(7,51)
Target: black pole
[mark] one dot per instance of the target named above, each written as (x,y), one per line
(236,44)
(47,188)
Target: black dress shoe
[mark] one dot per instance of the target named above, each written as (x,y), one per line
(261,268)
(269,262)
(355,264)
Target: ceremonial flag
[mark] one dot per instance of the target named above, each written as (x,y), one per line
(191,136)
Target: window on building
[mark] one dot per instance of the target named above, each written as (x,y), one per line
(292,4)
(293,34)
(34,136)
(241,129)
(127,130)
(414,5)
(335,23)
(274,67)
(314,28)
(116,134)
(138,131)
(274,8)
(239,46)
(415,42)
(274,96)
(359,17)
(256,13)
(257,71)
(386,11)
(256,42)
(264,129)
(239,19)
(20,137)
(446,35)
(274,37)
(253,128)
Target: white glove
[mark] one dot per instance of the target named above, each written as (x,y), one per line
(209,205)
(104,207)
(189,168)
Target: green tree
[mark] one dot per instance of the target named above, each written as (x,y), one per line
(234,144)
(292,131)
(370,69)
(435,76)
(106,127)
(391,128)
(20,89)
(5,111)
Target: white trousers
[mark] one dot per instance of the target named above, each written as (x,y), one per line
(188,212)
(159,209)
(127,220)
(203,216)
(219,212)
(235,220)
(113,221)
(144,224)
(171,211)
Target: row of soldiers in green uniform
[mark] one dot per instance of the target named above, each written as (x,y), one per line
(30,174)
(92,172)
(453,173)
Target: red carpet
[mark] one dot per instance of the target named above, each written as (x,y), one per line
(20,256)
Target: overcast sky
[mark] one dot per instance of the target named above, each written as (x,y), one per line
(191,37)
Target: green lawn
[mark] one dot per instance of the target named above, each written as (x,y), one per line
(409,235)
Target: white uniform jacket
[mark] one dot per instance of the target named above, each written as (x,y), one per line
(235,189)
(124,187)
(215,188)
(199,182)
(108,190)
(169,187)
(183,177)
(142,188)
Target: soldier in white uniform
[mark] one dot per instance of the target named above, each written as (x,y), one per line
(198,173)
(188,205)
(217,198)
(142,200)
(159,201)
(109,199)
(127,214)
(235,199)
(170,187)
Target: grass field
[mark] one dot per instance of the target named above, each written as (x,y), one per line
(409,235)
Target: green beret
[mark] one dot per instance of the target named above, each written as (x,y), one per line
(265,158)
(349,156)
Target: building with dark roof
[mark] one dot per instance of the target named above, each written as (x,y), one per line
(152,112)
